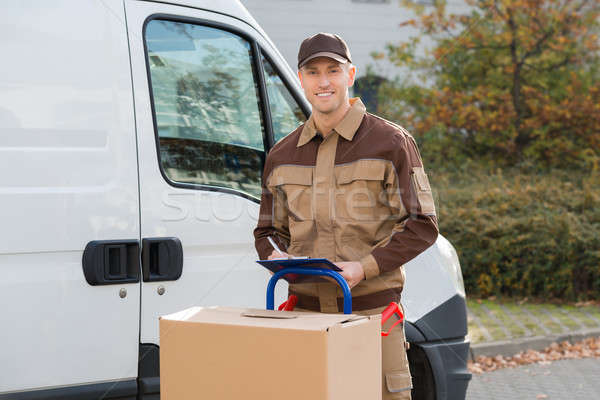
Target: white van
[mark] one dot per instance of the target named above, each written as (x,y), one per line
(132,138)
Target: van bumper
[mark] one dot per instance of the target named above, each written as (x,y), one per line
(440,351)
(448,360)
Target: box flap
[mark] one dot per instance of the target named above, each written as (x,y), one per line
(354,320)
(268,314)
(182,315)
(262,318)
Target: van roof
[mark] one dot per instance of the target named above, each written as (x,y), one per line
(232,8)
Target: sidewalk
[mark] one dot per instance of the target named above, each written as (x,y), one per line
(504,327)
(575,379)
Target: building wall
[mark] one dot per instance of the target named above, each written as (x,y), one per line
(366,25)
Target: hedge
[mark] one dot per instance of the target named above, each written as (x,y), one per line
(523,234)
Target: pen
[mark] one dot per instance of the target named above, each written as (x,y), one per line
(281,252)
(274,245)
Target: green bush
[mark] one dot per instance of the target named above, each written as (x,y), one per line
(533,234)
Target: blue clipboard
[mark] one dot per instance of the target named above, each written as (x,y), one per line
(309,263)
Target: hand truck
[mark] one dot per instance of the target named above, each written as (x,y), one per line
(392,309)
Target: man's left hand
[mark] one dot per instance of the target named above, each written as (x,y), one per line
(352,271)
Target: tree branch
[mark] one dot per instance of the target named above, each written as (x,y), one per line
(537,47)
(490,47)
(550,67)
(498,9)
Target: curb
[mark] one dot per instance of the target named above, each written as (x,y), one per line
(508,348)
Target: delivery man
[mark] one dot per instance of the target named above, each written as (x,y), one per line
(350,187)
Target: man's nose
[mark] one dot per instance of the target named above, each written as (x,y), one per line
(323,81)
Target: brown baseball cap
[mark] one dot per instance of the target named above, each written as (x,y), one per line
(323,45)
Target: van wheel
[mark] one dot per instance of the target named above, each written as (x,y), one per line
(422,374)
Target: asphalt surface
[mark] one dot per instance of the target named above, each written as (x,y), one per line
(564,379)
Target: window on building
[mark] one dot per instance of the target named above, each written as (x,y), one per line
(286,114)
(367,88)
(207,106)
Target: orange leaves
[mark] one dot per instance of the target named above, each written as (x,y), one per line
(592,43)
(465,41)
(509,80)
(587,348)
(439,52)
(378,55)
(410,22)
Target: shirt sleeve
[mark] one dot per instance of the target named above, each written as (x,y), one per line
(409,196)
(272,217)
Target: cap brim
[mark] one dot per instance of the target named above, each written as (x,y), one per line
(328,54)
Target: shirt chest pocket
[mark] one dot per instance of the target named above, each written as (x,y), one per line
(359,193)
(295,186)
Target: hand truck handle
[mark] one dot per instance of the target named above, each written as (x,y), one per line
(309,271)
(387,313)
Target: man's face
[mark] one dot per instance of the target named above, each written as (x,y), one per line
(326,82)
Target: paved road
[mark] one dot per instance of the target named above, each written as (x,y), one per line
(565,379)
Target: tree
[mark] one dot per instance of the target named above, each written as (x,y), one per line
(511,81)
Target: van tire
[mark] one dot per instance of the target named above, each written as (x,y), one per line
(422,374)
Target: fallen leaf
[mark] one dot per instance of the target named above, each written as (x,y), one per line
(521,302)
(587,348)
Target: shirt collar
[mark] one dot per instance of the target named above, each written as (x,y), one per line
(347,127)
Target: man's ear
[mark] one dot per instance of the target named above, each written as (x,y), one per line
(352,70)
(300,77)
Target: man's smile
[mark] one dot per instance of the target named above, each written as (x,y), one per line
(324,94)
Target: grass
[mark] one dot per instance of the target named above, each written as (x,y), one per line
(525,318)
(507,320)
(563,318)
(555,318)
(476,333)
(488,322)
(585,315)
(544,317)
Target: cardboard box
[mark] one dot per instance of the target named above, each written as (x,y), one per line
(222,353)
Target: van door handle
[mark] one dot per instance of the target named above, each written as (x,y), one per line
(162,259)
(111,262)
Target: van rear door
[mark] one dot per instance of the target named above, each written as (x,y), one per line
(69,177)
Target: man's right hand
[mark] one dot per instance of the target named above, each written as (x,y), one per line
(275,254)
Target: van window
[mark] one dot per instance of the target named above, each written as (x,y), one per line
(286,114)
(206,105)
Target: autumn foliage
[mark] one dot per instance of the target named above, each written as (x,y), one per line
(516,234)
(509,82)
(586,348)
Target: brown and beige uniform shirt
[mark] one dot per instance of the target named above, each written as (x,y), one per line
(359,194)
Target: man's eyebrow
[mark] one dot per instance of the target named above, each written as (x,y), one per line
(329,66)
